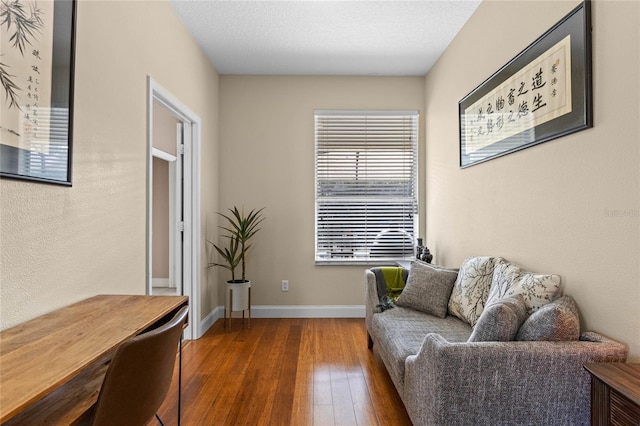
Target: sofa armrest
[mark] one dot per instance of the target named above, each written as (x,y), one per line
(504,382)
(372,300)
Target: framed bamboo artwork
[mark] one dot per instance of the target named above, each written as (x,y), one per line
(37,43)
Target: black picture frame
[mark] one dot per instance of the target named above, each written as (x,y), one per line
(481,139)
(37,89)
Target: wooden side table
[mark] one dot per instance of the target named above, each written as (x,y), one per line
(615,393)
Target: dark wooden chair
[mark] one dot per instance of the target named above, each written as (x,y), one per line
(139,376)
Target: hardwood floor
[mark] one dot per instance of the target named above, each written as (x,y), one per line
(285,372)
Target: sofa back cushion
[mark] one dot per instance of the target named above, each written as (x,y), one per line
(428,289)
(500,321)
(471,288)
(558,321)
(536,289)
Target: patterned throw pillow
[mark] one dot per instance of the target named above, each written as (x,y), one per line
(500,321)
(556,321)
(471,289)
(536,289)
(428,289)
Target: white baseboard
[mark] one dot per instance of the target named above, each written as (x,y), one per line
(289,311)
(160,282)
(308,311)
(210,319)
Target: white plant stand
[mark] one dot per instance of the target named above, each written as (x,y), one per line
(238,298)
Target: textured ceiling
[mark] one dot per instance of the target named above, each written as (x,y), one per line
(324,37)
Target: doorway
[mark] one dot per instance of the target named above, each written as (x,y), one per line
(167,216)
(173,201)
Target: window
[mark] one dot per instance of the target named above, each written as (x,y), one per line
(366,185)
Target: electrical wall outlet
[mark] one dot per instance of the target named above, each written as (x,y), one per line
(285,285)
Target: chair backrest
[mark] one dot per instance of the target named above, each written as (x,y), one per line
(139,375)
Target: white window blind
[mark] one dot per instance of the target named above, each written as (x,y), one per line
(366,185)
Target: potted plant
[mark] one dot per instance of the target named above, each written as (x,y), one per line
(238,232)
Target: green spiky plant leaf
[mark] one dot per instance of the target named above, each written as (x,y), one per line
(240,228)
(229,254)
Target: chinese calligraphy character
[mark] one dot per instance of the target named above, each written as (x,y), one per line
(35,69)
(490,126)
(523,109)
(554,92)
(511,97)
(537,102)
(36,54)
(554,80)
(538,82)
(520,91)
(499,103)
(490,109)
(480,114)
(500,122)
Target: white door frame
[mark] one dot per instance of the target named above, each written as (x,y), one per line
(191,236)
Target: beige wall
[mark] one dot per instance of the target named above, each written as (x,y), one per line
(59,244)
(267,152)
(570,206)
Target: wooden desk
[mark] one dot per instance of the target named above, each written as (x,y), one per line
(40,356)
(615,393)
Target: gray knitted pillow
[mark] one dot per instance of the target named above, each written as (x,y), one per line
(558,320)
(500,320)
(428,289)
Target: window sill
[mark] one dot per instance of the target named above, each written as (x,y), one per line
(364,262)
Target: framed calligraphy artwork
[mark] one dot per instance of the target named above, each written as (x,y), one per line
(541,94)
(37,43)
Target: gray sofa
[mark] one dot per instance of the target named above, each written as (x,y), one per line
(445,379)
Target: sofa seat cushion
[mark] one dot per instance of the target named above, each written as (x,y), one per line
(399,332)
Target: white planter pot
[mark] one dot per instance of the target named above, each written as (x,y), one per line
(239,294)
